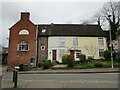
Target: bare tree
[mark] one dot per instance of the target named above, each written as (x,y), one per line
(110,13)
(91,50)
(108,16)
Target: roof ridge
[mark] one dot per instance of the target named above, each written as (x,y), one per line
(68,24)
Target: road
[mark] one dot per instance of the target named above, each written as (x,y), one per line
(91,80)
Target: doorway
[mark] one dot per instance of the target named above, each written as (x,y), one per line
(54,55)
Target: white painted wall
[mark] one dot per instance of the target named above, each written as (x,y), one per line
(53,44)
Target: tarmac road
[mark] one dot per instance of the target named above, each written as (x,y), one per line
(89,80)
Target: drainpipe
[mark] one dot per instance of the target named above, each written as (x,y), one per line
(37,45)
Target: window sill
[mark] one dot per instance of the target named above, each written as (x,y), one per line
(23,50)
(61,46)
(100,45)
(75,45)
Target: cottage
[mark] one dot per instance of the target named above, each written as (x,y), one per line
(29,43)
(75,39)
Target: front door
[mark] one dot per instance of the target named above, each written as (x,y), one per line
(54,55)
(72,53)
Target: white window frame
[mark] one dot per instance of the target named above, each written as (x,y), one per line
(43,31)
(24,32)
(42,47)
(78,53)
(61,52)
(32,61)
(75,41)
(62,42)
(100,41)
(23,43)
(101,52)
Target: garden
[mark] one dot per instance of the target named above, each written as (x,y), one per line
(90,62)
(83,63)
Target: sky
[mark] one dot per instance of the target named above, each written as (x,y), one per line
(42,12)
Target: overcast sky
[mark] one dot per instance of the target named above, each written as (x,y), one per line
(71,12)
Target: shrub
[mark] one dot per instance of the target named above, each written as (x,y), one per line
(98,65)
(117,57)
(64,58)
(40,65)
(70,61)
(82,58)
(90,58)
(107,55)
(46,64)
(77,62)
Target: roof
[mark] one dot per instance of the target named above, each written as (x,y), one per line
(71,30)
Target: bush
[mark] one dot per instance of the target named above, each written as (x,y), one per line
(46,64)
(90,58)
(70,61)
(82,58)
(77,62)
(107,55)
(40,65)
(98,65)
(117,57)
(64,58)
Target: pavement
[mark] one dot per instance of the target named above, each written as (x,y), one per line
(67,71)
(72,71)
(62,78)
(61,69)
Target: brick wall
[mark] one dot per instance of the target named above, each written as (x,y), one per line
(42,54)
(16,57)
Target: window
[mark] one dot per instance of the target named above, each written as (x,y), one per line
(75,41)
(43,30)
(42,47)
(100,41)
(23,46)
(32,61)
(61,52)
(101,52)
(24,32)
(78,53)
(61,42)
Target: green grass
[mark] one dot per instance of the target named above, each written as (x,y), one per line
(106,64)
(85,65)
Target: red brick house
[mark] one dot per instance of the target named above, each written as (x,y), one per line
(22,42)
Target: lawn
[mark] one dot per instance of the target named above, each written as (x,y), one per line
(105,64)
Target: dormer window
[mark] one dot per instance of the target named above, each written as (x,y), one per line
(43,30)
(24,32)
(23,46)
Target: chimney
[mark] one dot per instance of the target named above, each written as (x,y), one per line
(52,24)
(25,15)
